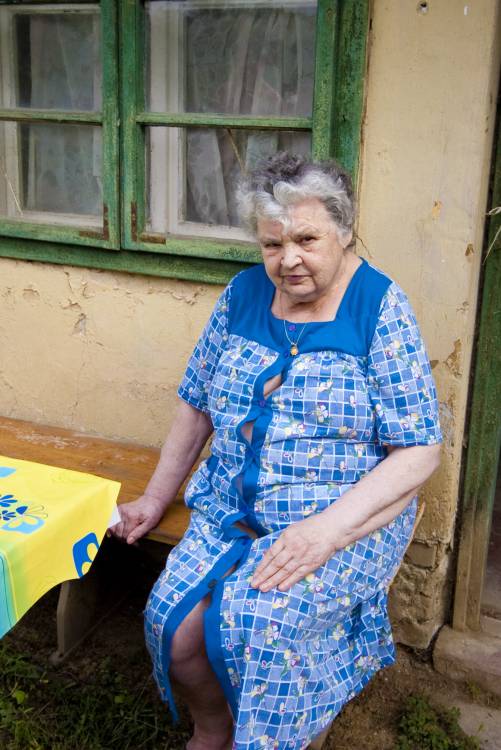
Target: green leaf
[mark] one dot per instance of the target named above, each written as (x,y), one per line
(19,696)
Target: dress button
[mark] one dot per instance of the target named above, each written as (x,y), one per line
(262,403)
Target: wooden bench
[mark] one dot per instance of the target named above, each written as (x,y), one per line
(130,464)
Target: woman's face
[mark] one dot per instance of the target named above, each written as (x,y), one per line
(303,258)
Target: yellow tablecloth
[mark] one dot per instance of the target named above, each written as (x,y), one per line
(52,522)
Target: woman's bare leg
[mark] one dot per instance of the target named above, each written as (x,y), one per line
(191,671)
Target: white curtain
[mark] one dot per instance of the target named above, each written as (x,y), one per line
(62,163)
(251,62)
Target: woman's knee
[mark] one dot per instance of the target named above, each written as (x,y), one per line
(188,641)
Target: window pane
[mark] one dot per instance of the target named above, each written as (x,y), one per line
(239,57)
(192,175)
(50,59)
(50,170)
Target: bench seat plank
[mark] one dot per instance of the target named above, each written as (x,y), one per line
(130,464)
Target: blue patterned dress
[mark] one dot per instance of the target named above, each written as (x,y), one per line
(289,661)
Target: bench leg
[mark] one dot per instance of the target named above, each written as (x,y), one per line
(76,612)
(85,602)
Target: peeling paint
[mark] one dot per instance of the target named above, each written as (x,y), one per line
(453,361)
(447,423)
(30,293)
(68,275)
(189,297)
(70,305)
(86,293)
(80,327)
(436,210)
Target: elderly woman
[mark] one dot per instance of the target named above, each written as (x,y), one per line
(312,376)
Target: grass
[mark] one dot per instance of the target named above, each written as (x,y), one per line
(427,727)
(104,698)
(52,710)
(49,709)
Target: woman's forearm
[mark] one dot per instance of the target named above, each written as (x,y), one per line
(379,519)
(190,430)
(382,494)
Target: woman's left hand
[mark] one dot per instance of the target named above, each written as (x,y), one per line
(300,549)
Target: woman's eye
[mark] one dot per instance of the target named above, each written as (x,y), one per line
(307,239)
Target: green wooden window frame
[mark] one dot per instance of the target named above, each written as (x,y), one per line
(335,126)
(108,236)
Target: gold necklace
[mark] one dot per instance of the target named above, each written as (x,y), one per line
(294,348)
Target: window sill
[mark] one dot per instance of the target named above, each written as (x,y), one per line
(209,271)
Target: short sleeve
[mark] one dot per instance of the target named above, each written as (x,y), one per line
(202,364)
(399,378)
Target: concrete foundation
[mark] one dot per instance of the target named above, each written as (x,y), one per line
(469,656)
(483,722)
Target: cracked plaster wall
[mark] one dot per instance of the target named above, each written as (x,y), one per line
(95,351)
(103,352)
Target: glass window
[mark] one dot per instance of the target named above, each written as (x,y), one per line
(231,57)
(51,173)
(192,174)
(207,88)
(50,58)
(54,129)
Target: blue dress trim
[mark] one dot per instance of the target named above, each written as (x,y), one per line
(261,415)
(350,332)
(212,632)
(191,599)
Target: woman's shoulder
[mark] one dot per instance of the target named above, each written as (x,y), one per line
(249,290)
(251,284)
(375,290)
(251,279)
(368,289)
(374,298)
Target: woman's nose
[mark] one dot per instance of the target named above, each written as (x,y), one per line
(290,255)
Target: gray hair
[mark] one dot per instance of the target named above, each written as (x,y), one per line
(284,179)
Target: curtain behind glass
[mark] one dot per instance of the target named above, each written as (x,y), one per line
(62,163)
(258,61)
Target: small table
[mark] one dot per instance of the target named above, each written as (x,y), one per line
(52,522)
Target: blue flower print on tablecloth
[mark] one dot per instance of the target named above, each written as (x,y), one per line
(20,517)
(82,550)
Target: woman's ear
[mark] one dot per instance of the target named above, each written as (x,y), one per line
(346,240)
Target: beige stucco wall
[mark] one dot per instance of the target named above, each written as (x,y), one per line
(103,352)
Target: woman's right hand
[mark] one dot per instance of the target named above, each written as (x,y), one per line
(188,434)
(137,518)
